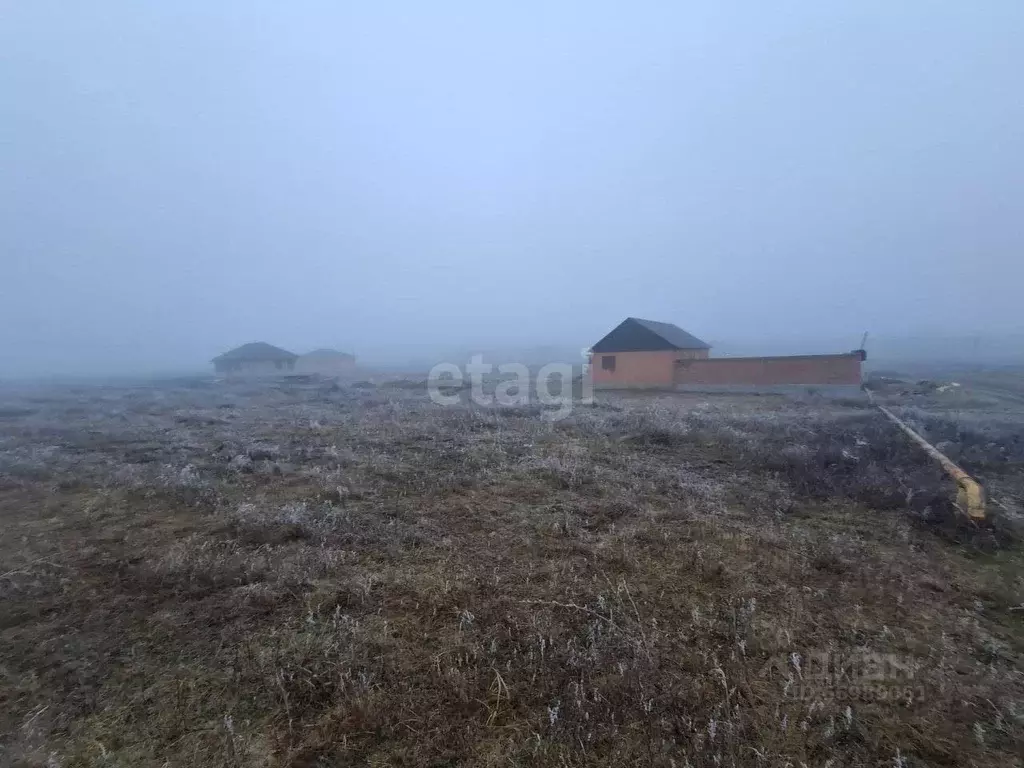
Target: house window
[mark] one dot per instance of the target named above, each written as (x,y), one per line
(608,363)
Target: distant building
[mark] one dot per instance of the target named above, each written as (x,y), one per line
(647,354)
(326,362)
(643,353)
(255,359)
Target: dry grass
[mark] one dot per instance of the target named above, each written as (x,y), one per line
(305,576)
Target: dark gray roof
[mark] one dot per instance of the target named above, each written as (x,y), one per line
(256,351)
(673,334)
(636,335)
(327,354)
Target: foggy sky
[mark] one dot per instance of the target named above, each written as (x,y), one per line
(391,178)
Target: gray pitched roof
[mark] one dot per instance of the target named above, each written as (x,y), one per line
(673,334)
(256,351)
(636,335)
(327,354)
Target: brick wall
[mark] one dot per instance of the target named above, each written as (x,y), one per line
(771,371)
(640,369)
(326,367)
(256,368)
(634,369)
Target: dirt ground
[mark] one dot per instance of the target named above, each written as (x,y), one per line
(300,574)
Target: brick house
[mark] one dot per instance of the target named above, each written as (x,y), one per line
(326,362)
(642,353)
(255,359)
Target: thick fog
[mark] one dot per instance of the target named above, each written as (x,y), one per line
(406,180)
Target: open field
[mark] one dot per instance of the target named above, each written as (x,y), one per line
(297,574)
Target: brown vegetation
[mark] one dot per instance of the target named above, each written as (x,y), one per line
(306,576)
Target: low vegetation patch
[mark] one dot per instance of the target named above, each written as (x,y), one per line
(292,575)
